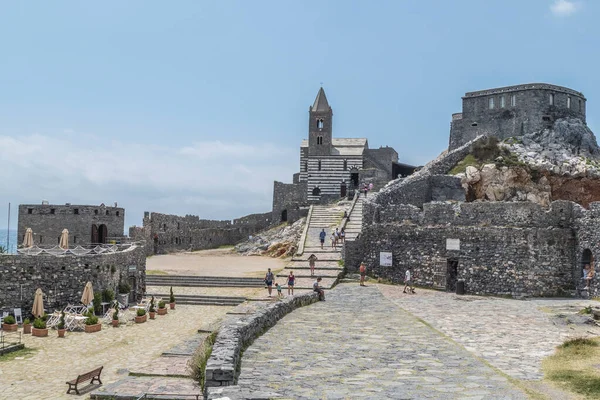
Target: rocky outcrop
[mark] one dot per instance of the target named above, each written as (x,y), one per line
(280,241)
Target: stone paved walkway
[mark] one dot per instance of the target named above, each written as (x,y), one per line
(512,335)
(358,344)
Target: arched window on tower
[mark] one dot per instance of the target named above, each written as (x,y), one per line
(320,123)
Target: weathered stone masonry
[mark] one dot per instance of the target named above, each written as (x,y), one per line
(63,278)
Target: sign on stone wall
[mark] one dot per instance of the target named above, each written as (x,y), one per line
(452,244)
(385,259)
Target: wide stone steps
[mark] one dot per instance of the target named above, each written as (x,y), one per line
(305,273)
(202,281)
(203,300)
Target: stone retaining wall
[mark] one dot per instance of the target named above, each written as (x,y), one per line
(238,332)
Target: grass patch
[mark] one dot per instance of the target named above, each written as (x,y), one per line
(462,165)
(19,353)
(200,358)
(488,152)
(586,310)
(574,367)
(155,272)
(341,263)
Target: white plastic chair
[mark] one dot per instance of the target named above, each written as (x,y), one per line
(4,315)
(18,316)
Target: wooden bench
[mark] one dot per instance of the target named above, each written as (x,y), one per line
(88,376)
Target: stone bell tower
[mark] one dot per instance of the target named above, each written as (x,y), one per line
(319,126)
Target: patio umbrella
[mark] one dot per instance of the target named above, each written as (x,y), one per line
(38,303)
(88,294)
(28,239)
(64,239)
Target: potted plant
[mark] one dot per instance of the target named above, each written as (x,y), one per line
(162,310)
(61,325)
(9,324)
(91,323)
(27,326)
(115,318)
(124,290)
(172,299)
(39,328)
(141,316)
(152,310)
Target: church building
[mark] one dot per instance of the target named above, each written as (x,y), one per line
(332,168)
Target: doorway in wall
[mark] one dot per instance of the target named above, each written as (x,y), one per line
(354,178)
(316,191)
(451,274)
(586,258)
(343,189)
(102,234)
(284,216)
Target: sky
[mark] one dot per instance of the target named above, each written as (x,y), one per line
(196,107)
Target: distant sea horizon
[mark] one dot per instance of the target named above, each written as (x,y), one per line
(12,236)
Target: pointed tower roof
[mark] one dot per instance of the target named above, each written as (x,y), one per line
(321,103)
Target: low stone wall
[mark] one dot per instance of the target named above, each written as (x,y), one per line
(238,332)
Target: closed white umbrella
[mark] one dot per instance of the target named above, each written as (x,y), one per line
(64,239)
(28,239)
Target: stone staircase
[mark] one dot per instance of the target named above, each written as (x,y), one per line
(202,281)
(328,265)
(203,300)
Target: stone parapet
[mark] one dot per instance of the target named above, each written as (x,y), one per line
(238,332)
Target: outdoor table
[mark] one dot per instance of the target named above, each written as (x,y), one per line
(103,304)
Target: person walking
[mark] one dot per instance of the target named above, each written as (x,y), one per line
(337,236)
(322,236)
(319,289)
(363,272)
(291,279)
(370,186)
(269,277)
(311,264)
(408,281)
(333,240)
(343,235)
(365,189)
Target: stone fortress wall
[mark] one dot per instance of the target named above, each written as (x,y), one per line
(514,110)
(48,221)
(63,278)
(166,233)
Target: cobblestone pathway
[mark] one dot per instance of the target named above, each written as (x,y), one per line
(358,344)
(512,335)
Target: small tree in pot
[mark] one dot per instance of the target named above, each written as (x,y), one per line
(141,316)
(115,316)
(91,323)
(152,310)
(27,326)
(61,325)
(39,328)
(9,324)
(172,299)
(162,310)
(124,290)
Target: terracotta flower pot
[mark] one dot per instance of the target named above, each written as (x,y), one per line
(139,320)
(152,314)
(172,306)
(61,332)
(39,332)
(162,311)
(115,323)
(10,327)
(93,328)
(26,328)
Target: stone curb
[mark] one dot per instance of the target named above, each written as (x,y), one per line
(237,333)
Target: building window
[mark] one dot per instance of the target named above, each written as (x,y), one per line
(76,211)
(164,227)
(319,139)
(52,211)
(178,225)
(513,100)
(491,103)
(41,238)
(320,123)
(74,239)
(117,213)
(107,212)
(30,211)
(568,101)
(95,212)
(551,99)
(345,165)
(502,102)
(319,165)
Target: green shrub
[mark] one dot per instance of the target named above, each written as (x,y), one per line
(115,315)
(152,309)
(97,302)
(171,296)
(108,295)
(39,323)
(91,318)
(27,321)
(124,288)
(161,304)
(141,312)
(61,322)
(45,317)
(9,320)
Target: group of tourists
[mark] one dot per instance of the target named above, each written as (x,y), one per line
(337,236)
(290,282)
(366,188)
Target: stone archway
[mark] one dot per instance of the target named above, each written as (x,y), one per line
(102,234)
(316,191)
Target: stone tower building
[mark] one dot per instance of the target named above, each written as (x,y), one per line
(332,168)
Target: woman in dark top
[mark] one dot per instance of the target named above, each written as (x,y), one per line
(291,279)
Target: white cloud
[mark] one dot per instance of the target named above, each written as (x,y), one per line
(211,179)
(564,8)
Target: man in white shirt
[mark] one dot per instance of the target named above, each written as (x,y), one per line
(407,281)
